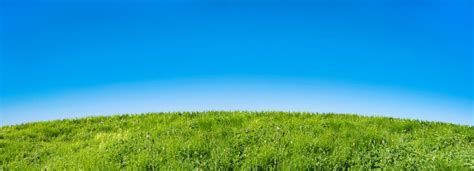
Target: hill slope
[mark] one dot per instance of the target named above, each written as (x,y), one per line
(237,140)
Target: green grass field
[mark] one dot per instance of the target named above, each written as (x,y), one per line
(236,140)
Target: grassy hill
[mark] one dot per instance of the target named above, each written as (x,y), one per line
(236,140)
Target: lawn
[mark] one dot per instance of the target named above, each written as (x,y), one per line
(236,140)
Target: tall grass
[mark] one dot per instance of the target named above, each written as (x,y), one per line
(237,140)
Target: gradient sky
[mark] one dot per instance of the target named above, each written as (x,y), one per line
(65,59)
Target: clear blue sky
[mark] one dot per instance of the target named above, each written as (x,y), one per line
(71,58)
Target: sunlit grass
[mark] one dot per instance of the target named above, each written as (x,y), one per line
(236,140)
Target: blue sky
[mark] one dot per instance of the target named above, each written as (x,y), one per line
(409,59)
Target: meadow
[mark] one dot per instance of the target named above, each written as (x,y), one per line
(218,140)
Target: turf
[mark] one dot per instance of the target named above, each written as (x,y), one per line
(236,140)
